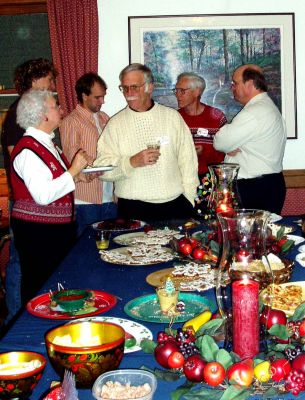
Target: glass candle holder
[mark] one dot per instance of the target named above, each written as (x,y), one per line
(224,197)
(245,264)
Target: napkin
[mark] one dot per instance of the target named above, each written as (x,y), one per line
(66,391)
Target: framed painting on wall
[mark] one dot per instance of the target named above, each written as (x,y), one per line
(213,46)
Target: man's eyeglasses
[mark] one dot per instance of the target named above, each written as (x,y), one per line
(133,88)
(180,90)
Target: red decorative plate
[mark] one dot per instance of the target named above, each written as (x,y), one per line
(40,306)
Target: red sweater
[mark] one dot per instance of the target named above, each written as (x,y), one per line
(203,128)
(60,211)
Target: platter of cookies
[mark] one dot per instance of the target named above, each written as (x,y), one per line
(286,297)
(138,255)
(151,238)
(186,277)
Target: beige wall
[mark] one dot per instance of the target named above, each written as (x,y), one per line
(113,54)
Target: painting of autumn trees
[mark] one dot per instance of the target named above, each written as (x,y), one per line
(213,54)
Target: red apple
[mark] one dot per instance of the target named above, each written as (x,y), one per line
(241,373)
(164,350)
(270,317)
(176,360)
(193,242)
(214,373)
(185,246)
(193,368)
(302,328)
(216,316)
(198,253)
(299,362)
(280,369)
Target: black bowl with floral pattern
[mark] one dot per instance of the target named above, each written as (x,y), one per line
(87,348)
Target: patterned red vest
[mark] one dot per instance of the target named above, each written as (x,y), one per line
(60,211)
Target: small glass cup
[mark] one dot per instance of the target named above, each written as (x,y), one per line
(102,239)
(153,146)
(167,300)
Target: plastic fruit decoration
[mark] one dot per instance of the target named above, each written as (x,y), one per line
(164,350)
(193,368)
(299,362)
(214,373)
(262,371)
(302,328)
(241,373)
(176,360)
(193,242)
(185,247)
(196,322)
(280,369)
(271,317)
(198,253)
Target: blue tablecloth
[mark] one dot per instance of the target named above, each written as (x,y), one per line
(83,268)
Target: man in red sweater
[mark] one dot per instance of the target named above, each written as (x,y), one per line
(203,120)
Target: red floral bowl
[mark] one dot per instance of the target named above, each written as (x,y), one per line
(20,372)
(88,349)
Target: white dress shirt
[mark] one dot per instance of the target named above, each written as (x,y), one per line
(259,131)
(36,174)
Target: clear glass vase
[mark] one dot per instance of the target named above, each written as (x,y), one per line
(244,271)
(224,197)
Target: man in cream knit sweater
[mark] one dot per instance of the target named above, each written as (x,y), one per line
(150,183)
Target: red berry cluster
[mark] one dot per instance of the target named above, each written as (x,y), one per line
(295,382)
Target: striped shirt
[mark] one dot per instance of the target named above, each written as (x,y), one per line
(79,131)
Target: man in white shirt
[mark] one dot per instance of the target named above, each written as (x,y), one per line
(255,139)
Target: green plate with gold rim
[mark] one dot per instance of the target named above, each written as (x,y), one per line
(147,308)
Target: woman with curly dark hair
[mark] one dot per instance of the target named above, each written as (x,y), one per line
(39,73)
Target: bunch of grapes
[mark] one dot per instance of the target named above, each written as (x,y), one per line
(291,354)
(186,341)
(295,382)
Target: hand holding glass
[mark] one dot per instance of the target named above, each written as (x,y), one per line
(153,146)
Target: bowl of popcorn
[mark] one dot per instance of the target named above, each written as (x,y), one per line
(125,384)
(87,348)
(20,372)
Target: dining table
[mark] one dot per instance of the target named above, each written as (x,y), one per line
(83,268)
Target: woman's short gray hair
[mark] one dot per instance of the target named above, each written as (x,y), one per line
(196,81)
(32,107)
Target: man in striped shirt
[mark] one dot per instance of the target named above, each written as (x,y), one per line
(81,129)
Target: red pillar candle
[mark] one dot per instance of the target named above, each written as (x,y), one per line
(245,310)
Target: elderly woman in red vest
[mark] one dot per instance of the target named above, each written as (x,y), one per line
(43,219)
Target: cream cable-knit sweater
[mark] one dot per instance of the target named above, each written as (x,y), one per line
(127,133)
